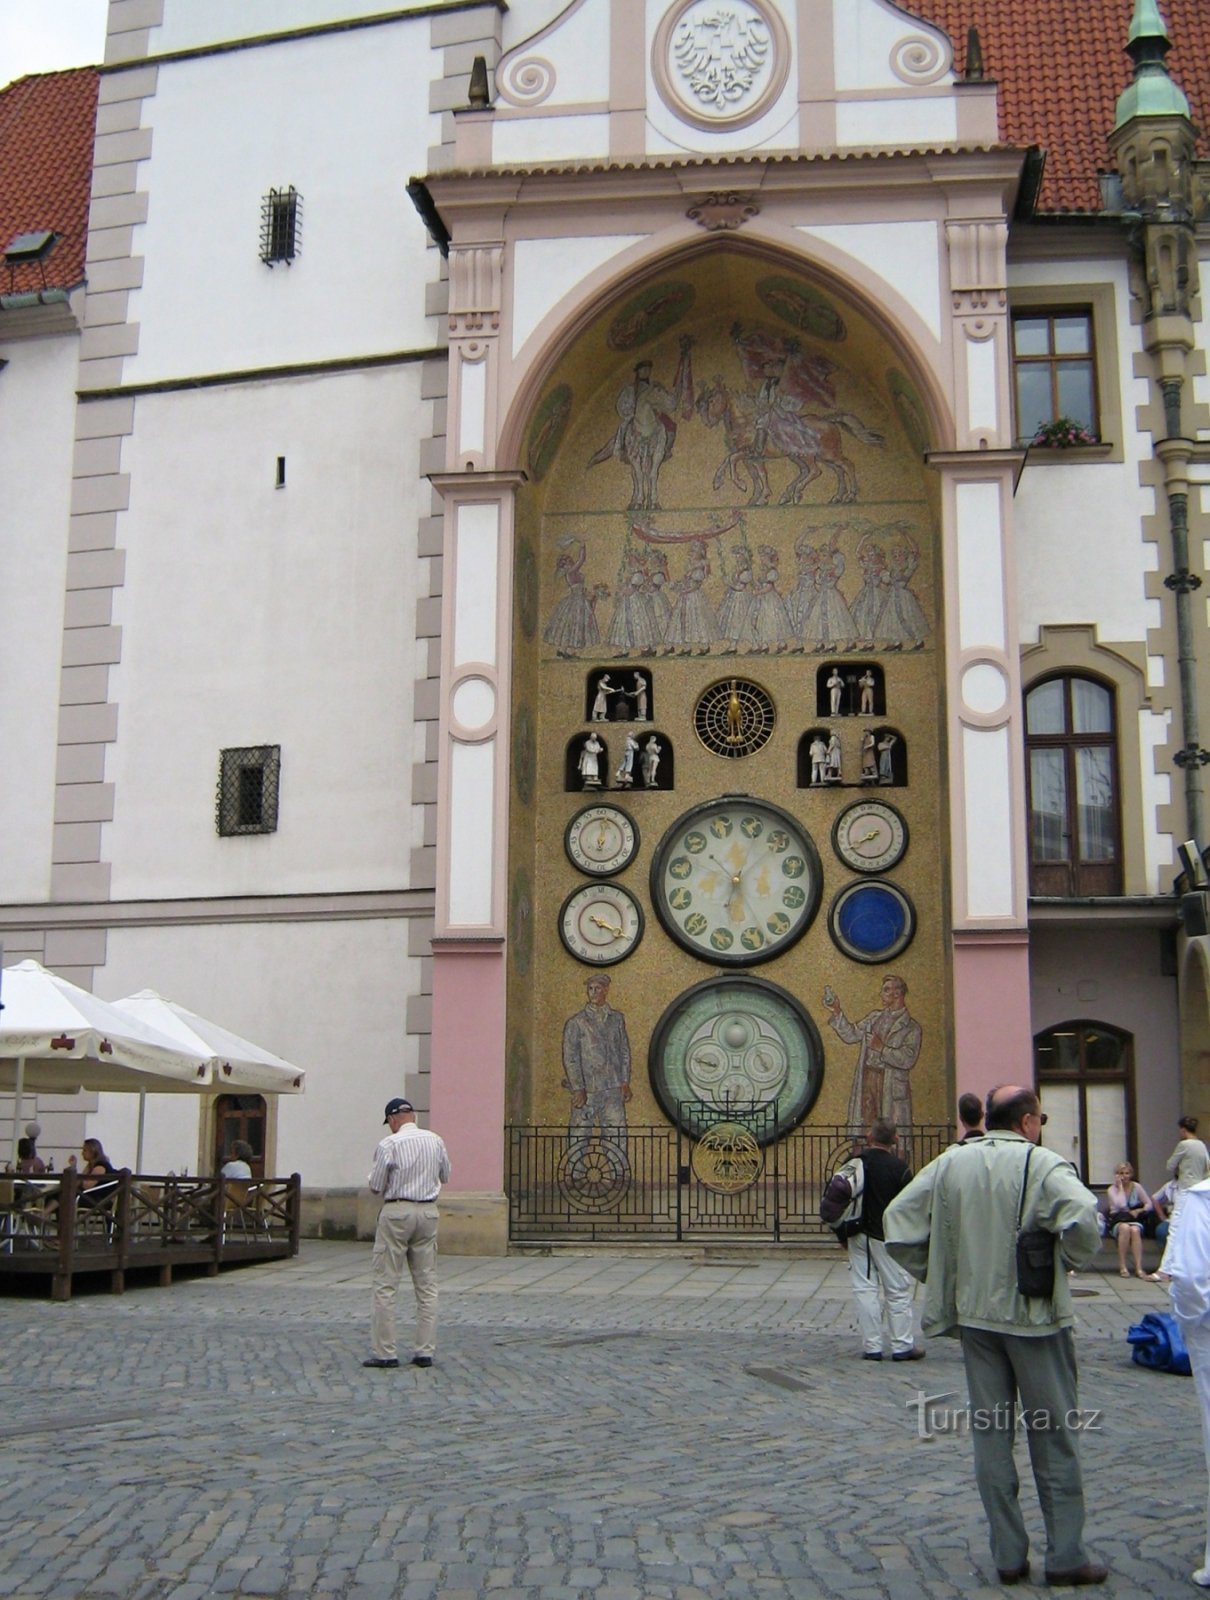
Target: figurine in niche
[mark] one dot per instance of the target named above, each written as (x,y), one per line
(835,688)
(819,759)
(600,704)
(590,762)
(903,624)
(572,625)
(735,613)
(867,683)
(886,770)
(652,751)
(770,627)
(640,697)
(869,757)
(624,776)
(835,761)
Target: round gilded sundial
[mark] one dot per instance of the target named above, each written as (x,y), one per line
(736,1050)
(734,718)
(736,881)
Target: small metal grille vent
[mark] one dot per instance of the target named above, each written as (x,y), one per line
(734,718)
(281,226)
(248,783)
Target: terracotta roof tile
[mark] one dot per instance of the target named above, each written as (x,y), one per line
(47,125)
(1061,68)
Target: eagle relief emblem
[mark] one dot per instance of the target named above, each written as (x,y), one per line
(723,54)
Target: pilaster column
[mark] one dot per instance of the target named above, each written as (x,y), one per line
(979,291)
(467,1096)
(989,860)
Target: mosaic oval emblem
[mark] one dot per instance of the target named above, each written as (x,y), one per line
(524,754)
(649,314)
(802,307)
(546,431)
(521,919)
(910,412)
(527,588)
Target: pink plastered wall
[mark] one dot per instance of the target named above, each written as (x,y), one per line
(467,1095)
(993,1034)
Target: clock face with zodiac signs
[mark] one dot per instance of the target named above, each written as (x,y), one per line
(601,923)
(736,881)
(601,840)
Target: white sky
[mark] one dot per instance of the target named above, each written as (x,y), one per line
(42,35)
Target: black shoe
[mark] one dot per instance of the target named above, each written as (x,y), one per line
(916,1353)
(871,1355)
(420,1361)
(380,1361)
(1011,1575)
(1080,1577)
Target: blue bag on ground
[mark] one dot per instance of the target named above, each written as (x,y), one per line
(1157,1343)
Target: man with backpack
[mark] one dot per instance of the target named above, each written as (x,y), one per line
(872,1179)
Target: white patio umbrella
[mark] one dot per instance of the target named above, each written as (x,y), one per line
(56,1038)
(237,1066)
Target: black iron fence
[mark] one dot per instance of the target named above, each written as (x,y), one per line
(658,1183)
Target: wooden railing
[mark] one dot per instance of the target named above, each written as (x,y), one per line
(61,1226)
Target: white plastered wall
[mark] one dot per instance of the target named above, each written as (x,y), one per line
(326,996)
(188,25)
(342,117)
(1080,552)
(252,615)
(37,417)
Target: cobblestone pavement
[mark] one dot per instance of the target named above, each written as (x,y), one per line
(597,1427)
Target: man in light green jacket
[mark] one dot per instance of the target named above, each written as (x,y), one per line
(955,1228)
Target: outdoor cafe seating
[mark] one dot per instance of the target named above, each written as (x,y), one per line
(57,1229)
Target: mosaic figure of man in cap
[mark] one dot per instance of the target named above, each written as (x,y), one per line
(410,1165)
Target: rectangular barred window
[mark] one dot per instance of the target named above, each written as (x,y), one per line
(248,783)
(281,226)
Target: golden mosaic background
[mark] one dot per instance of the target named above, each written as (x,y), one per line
(796,366)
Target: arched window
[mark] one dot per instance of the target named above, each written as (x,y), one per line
(1085,1073)
(1072,774)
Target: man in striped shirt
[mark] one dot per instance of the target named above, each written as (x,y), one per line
(410,1165)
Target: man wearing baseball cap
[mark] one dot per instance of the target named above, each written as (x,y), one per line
(410,1165)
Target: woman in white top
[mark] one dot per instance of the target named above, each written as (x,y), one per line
(1188,1164)
(237,1167)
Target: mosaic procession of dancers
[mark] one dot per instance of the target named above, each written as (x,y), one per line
(759,612)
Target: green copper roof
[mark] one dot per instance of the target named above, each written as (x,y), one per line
(1146,22)
(1153,93)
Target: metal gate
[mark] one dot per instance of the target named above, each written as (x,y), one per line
(721,1175)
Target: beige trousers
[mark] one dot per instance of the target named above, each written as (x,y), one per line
(406,1236)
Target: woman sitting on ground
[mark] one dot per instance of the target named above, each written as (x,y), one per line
(1128,1204)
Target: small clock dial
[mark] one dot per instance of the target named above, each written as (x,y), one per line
(870,836)
(871,922)
(601,840)
(736,881)
(601,923)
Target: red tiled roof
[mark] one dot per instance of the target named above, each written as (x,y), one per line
(47,125)
(1061,68)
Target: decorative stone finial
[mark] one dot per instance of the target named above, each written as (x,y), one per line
(477,93)
(973,71)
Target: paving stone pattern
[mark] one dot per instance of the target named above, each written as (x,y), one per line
(596,1427)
